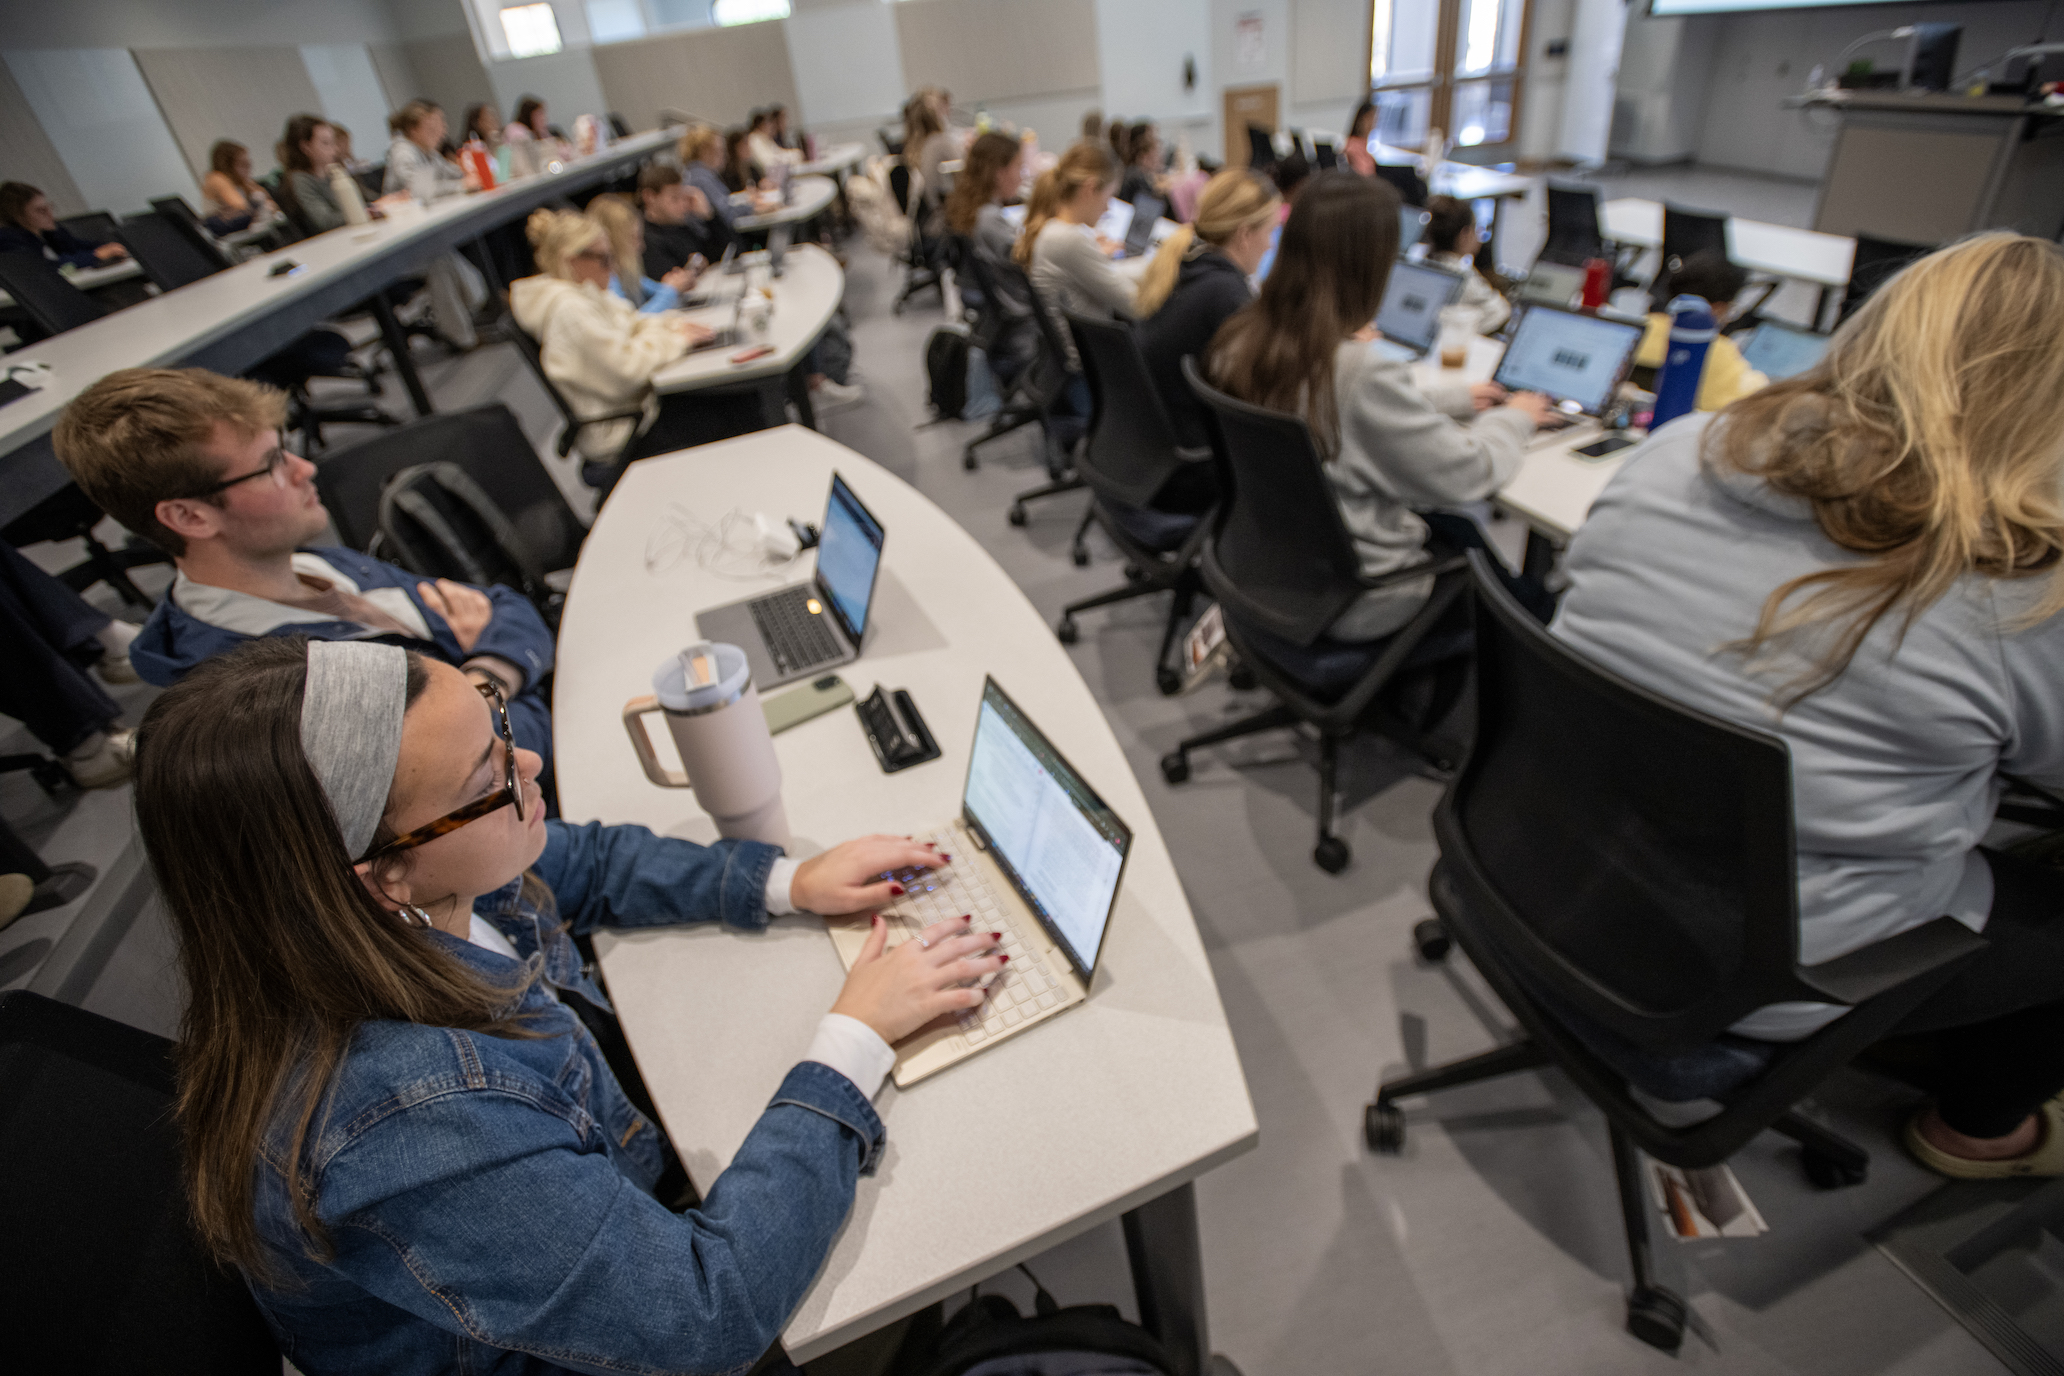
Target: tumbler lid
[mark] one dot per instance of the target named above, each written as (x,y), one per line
(703,677)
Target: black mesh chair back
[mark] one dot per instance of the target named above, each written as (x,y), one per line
(1877,261)
(1410,186)
(487,444)
(1261,148)
(619,127)
(900,184)
(371,181)
(94,226)
(1573,237)
(1686,232)
(175,209)
(162,249)
(570,432)
(1282,559)
(1132,450)
(1324,155)
(97,1210)
(40,289)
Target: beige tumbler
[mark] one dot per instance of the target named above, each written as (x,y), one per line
(713,712)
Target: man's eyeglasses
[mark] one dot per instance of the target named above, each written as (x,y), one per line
(510,794)
(275,469)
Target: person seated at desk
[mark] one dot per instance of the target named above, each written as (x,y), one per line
(766,149)
(1863,559)
(680,223)
(49,638)
(781,134)
(1289,174)
(1707,275)
(417,169)
(993,171)
(926,148)
(741,173)
(353,163)
(396,1124)
(230,198)
(1146,172)
(196,463)
(1452,242)
(1303,347)
(1068,261)
(626,230)
(705,159)
(532,140)
(1361,127)
(29,225)
(307,151)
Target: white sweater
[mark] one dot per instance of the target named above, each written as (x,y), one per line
(599,352)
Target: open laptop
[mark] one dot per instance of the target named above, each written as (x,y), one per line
(803,628)
(1777,350)
(1036,855)
(1552,284)
(1576,359)
(1410,314)
(1411,222)
(1146,218)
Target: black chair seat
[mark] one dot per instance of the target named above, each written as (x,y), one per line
(1710,1071)
(1160,531)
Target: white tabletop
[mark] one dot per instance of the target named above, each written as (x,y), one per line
(807,197)
(832,160)
(805,296)
(1804,254)
(1048,1134)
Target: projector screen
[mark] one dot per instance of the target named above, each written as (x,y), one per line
(1664,9)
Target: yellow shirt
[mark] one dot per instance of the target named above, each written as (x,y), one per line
(1727,377)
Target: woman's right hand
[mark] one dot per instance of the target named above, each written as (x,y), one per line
(108,253)
(896,992)
(1534,406)
(696,335)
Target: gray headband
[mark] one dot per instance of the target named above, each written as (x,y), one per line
(351,730)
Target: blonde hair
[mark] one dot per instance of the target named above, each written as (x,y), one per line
(696,143)
(1236,199)
(920,122)
(625,227)
(1928,439)
(558,235)
(1085,164)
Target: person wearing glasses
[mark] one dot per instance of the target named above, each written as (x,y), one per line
(396,1122)
(196,463)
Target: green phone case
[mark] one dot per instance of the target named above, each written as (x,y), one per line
(804,701)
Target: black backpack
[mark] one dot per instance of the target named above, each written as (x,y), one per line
(946,370)
(988,1337)
(436,521)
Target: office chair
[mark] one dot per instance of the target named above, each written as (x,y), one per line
(164,251)
(53,304)
(922,267)
(1573,236)
(619,127)
(1059,433)
(891,145)
(1325,156)
(1130,454)
(1619,869)
(175,209)
(1410,186)
(1686,232)
(575,422)
(372,181)
(1031,392)
(1261,148)
(1877,260)
(94,226)
(105,1274)
(67,515)
(1283,568)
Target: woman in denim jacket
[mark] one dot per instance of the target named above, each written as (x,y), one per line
(394,1126)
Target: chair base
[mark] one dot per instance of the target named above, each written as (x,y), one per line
(1069,482)
(1182,583)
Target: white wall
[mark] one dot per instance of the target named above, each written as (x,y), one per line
(566,82)
(348,87)
(98,112)
(1596,31)
(196,23)
(847,65)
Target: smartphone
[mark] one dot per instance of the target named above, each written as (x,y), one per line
(1598,449)
(804,701)
(756,352)
(285,267)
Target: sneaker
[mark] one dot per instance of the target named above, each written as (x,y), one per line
(105,761)
(117,670)
(2044,1159)
(830,396)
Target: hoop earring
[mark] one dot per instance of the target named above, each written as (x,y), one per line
(415,916)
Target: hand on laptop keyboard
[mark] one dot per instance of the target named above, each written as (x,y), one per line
(860,874)
(897,991)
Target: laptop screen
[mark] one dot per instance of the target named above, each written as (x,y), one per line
(1570,357)
(1061,847)
(848,557)
(1117,221)
(1555,284)
(1146,212)
(1412,304)
(1411,225)
(1778,351)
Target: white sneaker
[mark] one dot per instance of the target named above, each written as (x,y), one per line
(104,761)
(830,396)
(117,670)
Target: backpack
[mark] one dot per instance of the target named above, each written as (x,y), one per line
(438,522)
(946,370)
(883,222)
(988,1337)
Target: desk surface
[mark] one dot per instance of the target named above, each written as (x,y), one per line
(832,160)
(808,196)
(1116,1102)
(807,293)
(1782,251)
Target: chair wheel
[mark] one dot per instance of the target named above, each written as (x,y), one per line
(1133,573)
(1383,1127)
(1175,767)
(1656,1316)
(1168,681)
(1080,554)
(1066,631)
(1017,513)
(1241,676)
(969,462)
(1432,940)
(1827,1173)
(1331,854)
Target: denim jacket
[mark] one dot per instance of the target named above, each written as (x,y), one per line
(488,1198)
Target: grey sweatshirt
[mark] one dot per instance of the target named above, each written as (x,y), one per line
(1895,766)
(1072,274)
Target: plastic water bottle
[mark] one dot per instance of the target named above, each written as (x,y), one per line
(1692,331)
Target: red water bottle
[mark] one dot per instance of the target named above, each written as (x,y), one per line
(1597,283)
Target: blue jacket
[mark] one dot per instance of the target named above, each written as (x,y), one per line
(61,243)
(488,1198)
(172,642)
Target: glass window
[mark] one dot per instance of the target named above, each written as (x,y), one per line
(1488,37)
(1403,33)
(1401,117)
(532,30)
(748,11)
(614,21)
(1483,112)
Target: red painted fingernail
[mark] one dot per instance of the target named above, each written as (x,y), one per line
(1004,959)
(996,936)
(896,889)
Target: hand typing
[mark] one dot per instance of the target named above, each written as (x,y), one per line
(896,992)
(1484,395)
(855,876)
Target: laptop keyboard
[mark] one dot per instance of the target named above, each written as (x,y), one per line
(796,638)
(1024,987)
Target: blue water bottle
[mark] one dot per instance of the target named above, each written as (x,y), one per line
(1692,331)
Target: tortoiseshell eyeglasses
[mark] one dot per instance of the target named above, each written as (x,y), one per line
(510,794)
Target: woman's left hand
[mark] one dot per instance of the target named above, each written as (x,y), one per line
(859,874)
(680,279)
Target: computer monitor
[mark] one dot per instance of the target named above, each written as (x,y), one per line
(1570,356)
(1412,303)
(1059,844)
(848,558)
(1777,350)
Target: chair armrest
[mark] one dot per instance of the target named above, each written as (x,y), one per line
(1884,965)
(1433,569)
(1192,455)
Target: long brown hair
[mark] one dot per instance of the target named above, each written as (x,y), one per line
(920,121)
(292,151)
(1084,164)
(975,187)
(1332,265)
(1231,201)
(222,158)
(1929,438)
(284,952)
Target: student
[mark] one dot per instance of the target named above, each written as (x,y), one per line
(307,151)
(1453,243)
(230,199)
(1863,560)
(704,157)
(679,225)
(778,130)
(1361,127)
(1145,173)
(741,173)
(1069,263)
(394,1123)
(532,142)
(1302,347)
(926,148)
(1197,281)
(49,638)
(1708,275)
(415,168)
(766,150)
(626,230)
(29,225)
(196,464)
(483,122)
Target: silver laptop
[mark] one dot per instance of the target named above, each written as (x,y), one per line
(1412,303)
(1574,358)
(1035,855)
(1552,284)
(806,627)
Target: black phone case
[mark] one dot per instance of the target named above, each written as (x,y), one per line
(870,710)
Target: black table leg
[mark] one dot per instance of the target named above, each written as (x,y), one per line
(397,344)
(1168,1278)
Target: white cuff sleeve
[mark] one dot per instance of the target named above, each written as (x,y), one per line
(779,902)
(853,1049)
